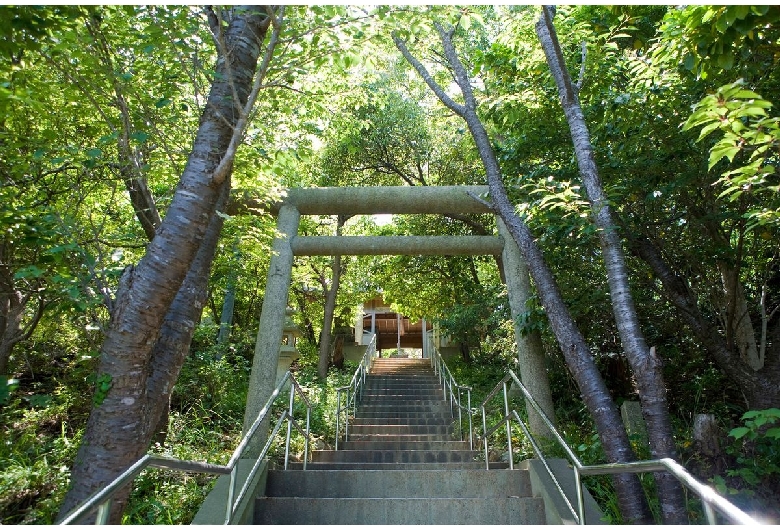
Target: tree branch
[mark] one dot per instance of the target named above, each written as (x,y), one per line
(432,84)
(461,76)
(581,78)
(482,201)
(238,131)
(545,30)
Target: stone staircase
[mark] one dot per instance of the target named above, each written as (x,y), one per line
(400,466)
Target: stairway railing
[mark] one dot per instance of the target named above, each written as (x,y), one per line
(353,392)
(101,499)
(453,392)
(711,501)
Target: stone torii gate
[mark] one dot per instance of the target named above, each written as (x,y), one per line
(368,201)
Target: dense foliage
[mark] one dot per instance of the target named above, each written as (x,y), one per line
(99,106)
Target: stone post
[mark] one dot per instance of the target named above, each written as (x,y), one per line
(530,355)
(262,379)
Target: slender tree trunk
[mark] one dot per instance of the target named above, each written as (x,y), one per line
(327,321)
(330,308)
(739,327)
(13,328)
(645,365)
(141,198)
(631,499)
(761,388)
(226,317)
(116,431)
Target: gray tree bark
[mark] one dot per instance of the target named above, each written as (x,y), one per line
(228,305)
(645,365)
(115,435)
(761,388)
(631,499)
(330,307)
(15,325)
(173,346)
(530,355)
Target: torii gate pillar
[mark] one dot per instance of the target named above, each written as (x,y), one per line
(269,337)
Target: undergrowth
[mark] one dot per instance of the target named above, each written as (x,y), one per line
(41,432)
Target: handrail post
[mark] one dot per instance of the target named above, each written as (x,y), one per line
(460,418)
(471,427)
(346,417)
(452,394)
(485,438)
(580,494)
(231,495)
(709,512)
(103,512)
(289,425)
(508,429)
(338,415)
(308,433)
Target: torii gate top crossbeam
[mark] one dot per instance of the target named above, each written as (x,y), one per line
(386,199)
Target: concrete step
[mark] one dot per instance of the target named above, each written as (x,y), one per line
(397,437)
(441,430)
(393,397)
(425,380)
(395,456)
(396,401)
(401,407)
(452,466)
(401,386)
(398,417)
(404,393)
(298,510)
(416,445)
(380,420)
(398,483)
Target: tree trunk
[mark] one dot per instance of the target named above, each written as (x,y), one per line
(116,432)
(13,328)
(173,346)
(338,352)
(330,308)
(226,317)
(740,328)
(631,499)
(645,365)
(761,388)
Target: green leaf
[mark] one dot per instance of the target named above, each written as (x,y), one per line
(139,136)
(95,153)
(31,271)
(689,62)
(773,433)
(6,387)
(708,129)
(162,102)
(726,60)
(739,432)
(717,153)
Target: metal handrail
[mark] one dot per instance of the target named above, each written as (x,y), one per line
(453,390)
(354,390)
(711,500)
(101,499)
